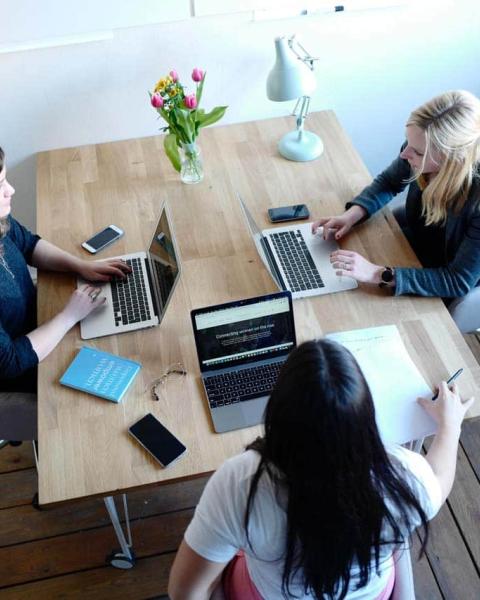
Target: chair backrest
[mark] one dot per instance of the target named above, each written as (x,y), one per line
(404,588)
(18,416)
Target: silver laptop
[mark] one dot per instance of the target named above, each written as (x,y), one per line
(140,300)
(296,259)
(241,347)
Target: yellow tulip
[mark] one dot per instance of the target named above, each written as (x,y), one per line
(160,85)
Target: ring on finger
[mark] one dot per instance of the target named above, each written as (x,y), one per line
(93,295)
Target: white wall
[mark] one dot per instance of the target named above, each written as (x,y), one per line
(375,66)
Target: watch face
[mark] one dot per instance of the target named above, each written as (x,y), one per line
(387,275)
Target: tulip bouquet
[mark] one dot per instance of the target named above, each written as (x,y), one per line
(182,113)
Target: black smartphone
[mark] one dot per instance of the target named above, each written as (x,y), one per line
(288,213)
(157,440)
(102,239)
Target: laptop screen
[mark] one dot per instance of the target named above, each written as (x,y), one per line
(244,331)
(163,262)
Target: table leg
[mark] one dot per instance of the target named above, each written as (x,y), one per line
(125,559)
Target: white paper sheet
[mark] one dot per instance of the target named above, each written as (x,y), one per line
(394,381)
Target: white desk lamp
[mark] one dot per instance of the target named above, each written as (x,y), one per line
(292,77)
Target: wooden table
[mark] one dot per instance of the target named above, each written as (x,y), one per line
(85,449)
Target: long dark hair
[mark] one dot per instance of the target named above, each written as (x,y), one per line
(323,442)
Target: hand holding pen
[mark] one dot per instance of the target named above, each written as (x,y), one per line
(450,409)
(451,380)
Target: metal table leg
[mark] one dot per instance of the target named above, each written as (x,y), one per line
(125,558)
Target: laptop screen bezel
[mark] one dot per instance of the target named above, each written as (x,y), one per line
(235,304)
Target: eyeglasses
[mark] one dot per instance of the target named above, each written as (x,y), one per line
(177,368)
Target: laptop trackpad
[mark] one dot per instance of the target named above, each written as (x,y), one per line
(237,416)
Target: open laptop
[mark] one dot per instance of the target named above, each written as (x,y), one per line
(241,347)
(141,299)
(296,259)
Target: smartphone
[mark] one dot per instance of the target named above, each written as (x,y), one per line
(157,440)
(288,213)
(102,239)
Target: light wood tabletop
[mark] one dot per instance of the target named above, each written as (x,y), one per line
(85,449)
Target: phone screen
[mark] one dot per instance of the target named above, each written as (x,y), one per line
(156,438)
(105,236)
(288,213)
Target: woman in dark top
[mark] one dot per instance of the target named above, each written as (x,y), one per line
(439,162)
(22,343)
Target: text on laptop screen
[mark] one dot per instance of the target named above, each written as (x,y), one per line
(163,261)
(245,333)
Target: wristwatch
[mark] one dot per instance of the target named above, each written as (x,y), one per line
(386,276)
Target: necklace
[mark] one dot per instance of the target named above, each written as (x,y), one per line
(4,264)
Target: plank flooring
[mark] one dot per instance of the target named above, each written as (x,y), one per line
(60,552)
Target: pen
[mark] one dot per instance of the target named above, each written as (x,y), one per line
(452,378)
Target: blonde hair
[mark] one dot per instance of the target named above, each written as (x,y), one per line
(451,123)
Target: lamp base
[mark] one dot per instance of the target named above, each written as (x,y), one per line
(300,146)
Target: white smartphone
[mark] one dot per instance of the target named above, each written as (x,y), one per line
(157,440)
(102,239)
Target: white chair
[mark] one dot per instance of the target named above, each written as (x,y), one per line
(403,588)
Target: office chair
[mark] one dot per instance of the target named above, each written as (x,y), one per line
(18,419)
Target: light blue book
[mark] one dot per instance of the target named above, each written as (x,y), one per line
(100,373)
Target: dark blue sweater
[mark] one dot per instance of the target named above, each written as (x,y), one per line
(459,255)
(18,310)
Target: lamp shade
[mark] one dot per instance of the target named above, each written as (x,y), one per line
(290,78)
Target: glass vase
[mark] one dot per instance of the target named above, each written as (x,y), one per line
(192,167)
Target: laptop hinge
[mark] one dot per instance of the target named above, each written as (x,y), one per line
(152,287)
(273,265)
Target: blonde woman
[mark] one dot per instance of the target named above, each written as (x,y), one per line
(22,343)
(441,218)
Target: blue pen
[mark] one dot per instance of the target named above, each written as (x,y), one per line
(452,378)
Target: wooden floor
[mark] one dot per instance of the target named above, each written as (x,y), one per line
(60,553)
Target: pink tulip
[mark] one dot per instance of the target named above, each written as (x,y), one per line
(197,75)
(174,76)
(156,100)
(190,101)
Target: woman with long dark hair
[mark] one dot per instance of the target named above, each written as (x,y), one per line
(318,505)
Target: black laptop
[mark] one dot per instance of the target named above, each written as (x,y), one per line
(241,347)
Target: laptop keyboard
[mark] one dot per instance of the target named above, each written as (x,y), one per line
(242,385)
(296,260)
(130,300)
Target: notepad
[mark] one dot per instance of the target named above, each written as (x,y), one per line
(394,381)
(100,373)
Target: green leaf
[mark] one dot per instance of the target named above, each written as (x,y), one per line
(171,150)
(186,124)
(204,119)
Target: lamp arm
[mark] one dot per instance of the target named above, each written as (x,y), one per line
(306,57)
(305,100)
(302,114)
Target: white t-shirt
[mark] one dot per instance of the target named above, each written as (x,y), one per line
(217,529)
